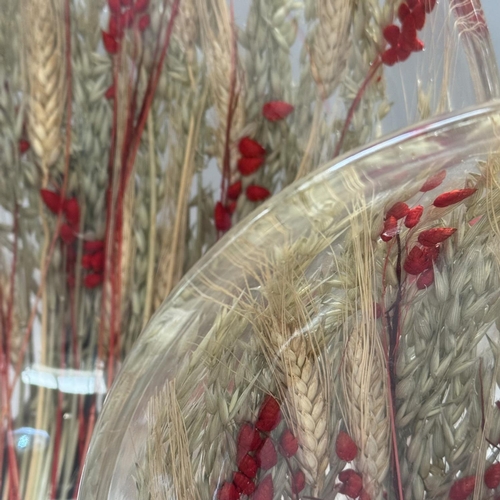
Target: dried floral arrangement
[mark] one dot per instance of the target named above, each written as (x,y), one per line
(370,374)
(111,115)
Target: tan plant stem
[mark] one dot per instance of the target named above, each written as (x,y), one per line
(148,303)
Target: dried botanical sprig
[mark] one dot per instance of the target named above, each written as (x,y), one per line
(45,67)
(330,44)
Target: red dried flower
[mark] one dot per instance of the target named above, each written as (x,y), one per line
(426,279)
(345,447)
(257,193)
(222,217)
(53,201)
(228,492)
(390,56)
(408,29)
(452,197)
(289,443)
(269,415)
(234,190)
(433,181)
(298,481)
(97,261)
(462,488)
(93,246)
(492,476)
(141,5)
(144,22)
(434,236)
(111,92)
(391,34)
(248,166)
(353,484)
(248,440)
(390,228)
(417,261)
(126,3)
(114,6)
(265,490)
(67,234)
(250,148)
(413,216)
(419,15)
(245,485)
(266,455)
(110,43)
(399,210)
(248,465)
(276,110)
(71,210)
(24,145)
(403,11)
(93,280)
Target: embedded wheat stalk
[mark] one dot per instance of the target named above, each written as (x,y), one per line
(298,364)
(331,43)
(364,370)
(167,472)
(44,44)
(307,408)
(365,388)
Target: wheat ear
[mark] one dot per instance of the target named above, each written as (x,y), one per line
(331,43)
(45,72)
(298,365)
(364,370)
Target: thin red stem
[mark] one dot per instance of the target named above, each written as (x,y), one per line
(90,429)
(355,103)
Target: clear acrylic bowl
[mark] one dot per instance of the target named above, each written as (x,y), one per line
(377,342)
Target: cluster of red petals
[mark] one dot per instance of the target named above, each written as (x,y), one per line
(124,13)
(93,261)
(397,212)
(71,210)
(352,483)
(462,488)
(404,40)
(420,259)
(256,451)
(274,111)
(252,158)
(345,447)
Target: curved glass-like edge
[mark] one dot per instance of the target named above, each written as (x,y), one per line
(411,154)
